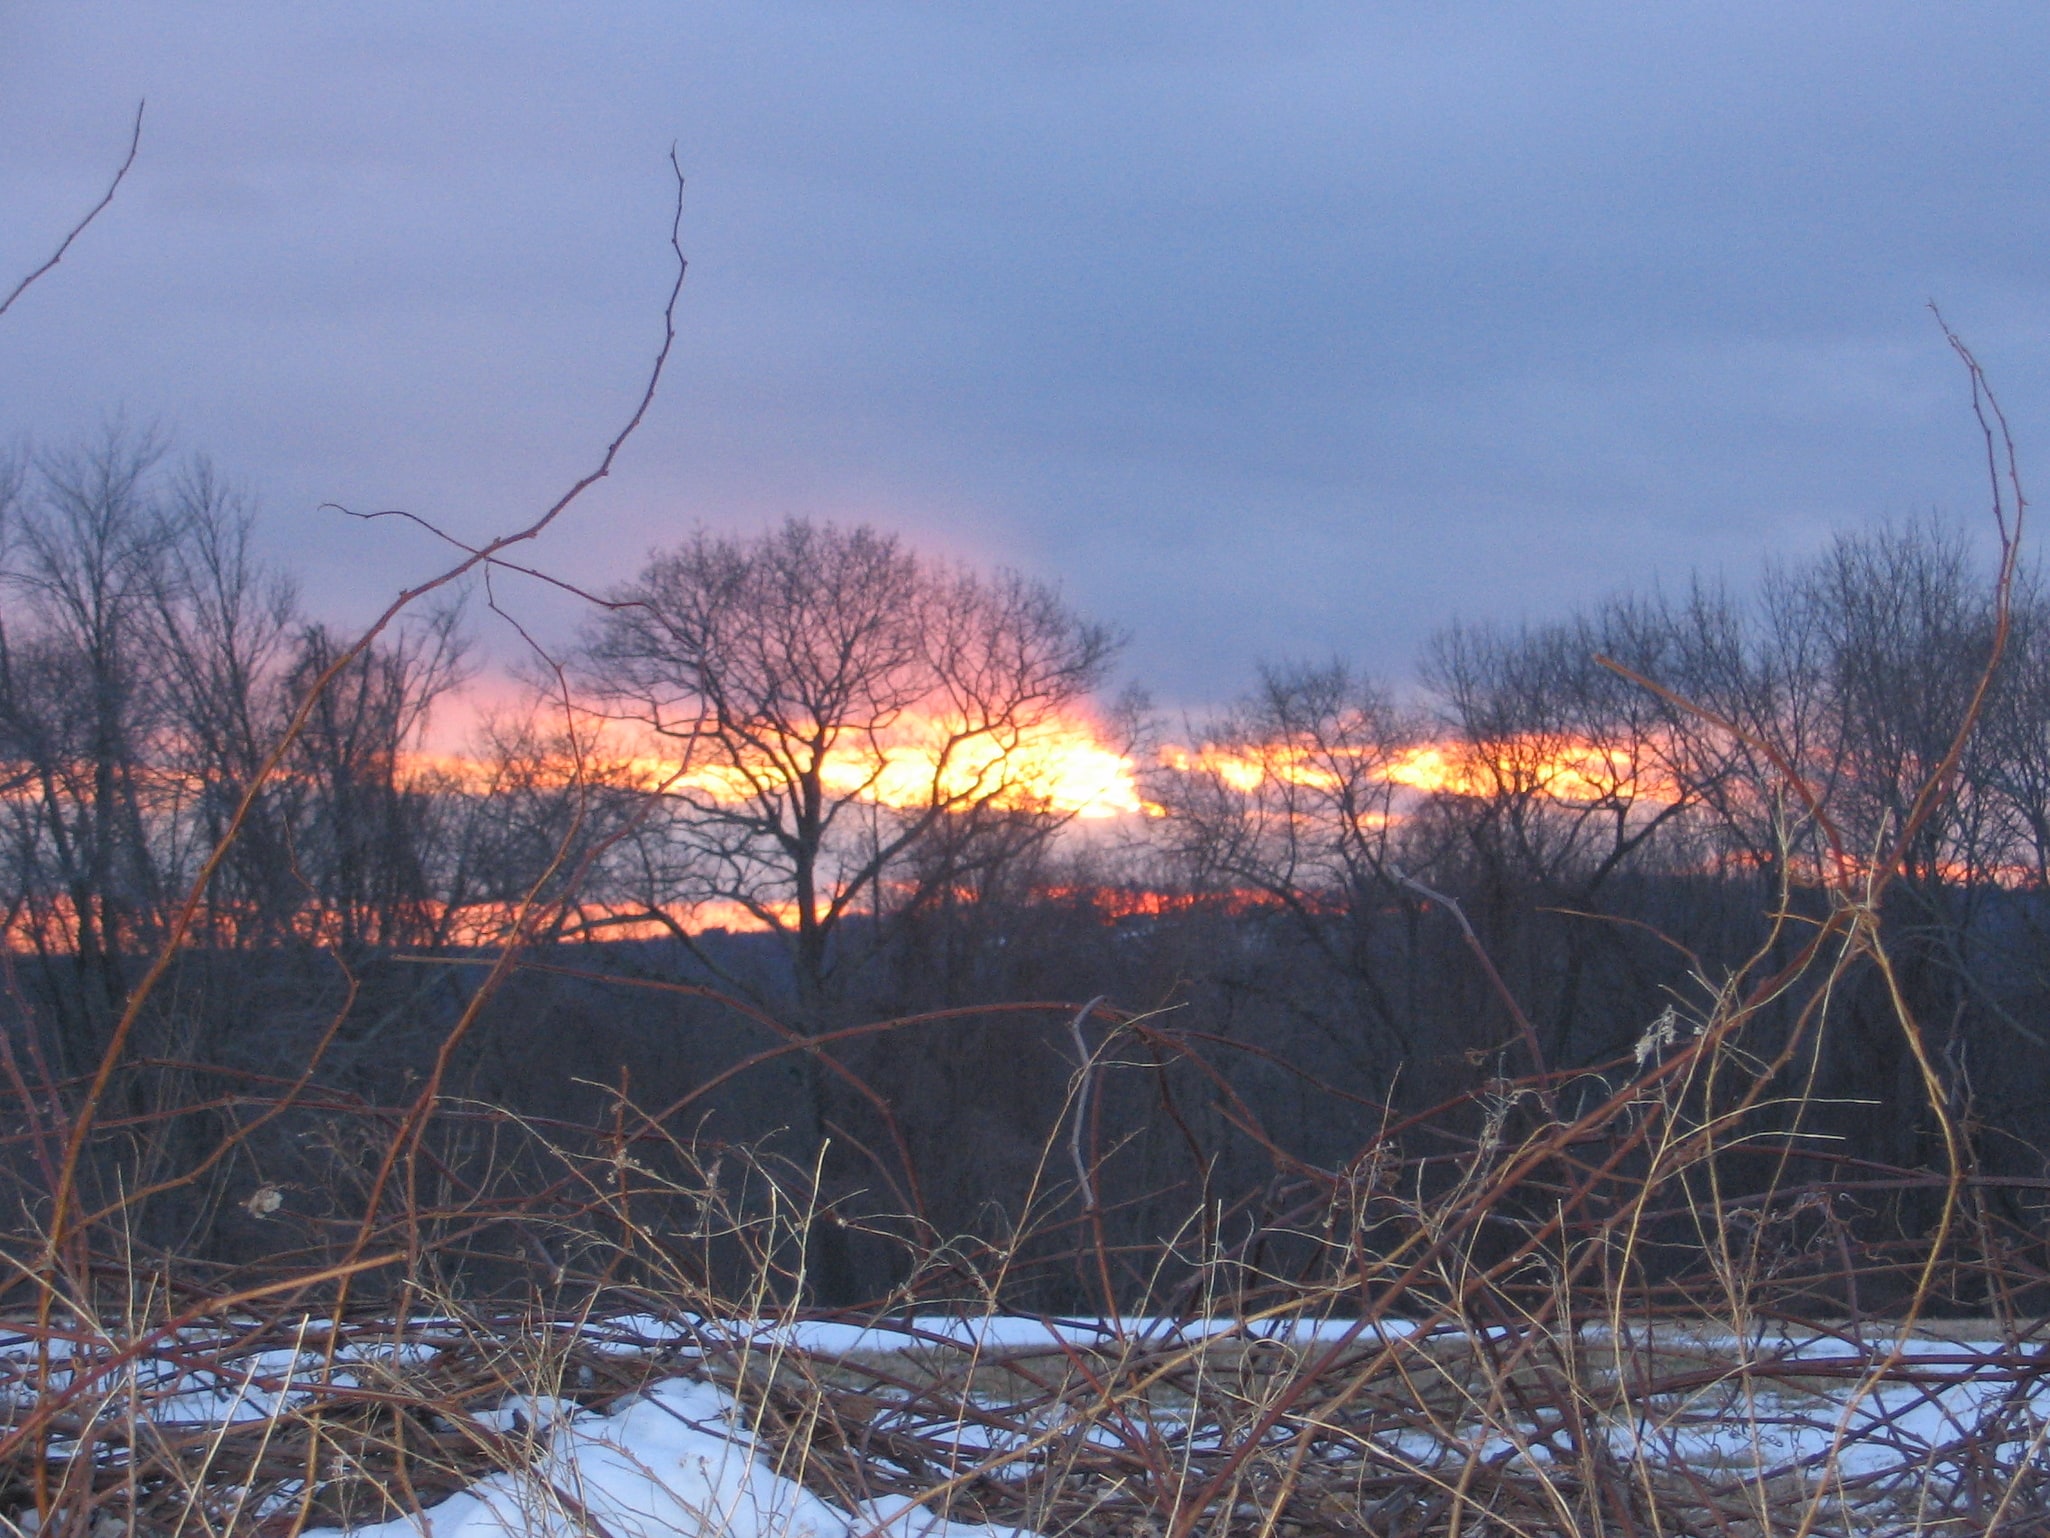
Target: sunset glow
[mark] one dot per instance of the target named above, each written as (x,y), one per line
(1245,770)
(1061,767)
(1571,772)
(1064,767)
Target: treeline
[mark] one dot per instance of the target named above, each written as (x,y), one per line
(1549,860)
(149,663)
(1677,770)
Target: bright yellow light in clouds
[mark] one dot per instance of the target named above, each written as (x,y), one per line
(1570,770)
(1246,770)
(1059,765)
(1063,766)
(1053,766)
(1428,768)
(1567,771)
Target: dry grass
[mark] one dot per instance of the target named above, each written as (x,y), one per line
(1481,1339)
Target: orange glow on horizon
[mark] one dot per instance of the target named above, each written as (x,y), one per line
(1571,772)
(1064,767)
(1246,770)
(1060,766)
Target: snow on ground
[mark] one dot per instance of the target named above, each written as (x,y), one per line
(678,1461)
(194,1377)
(988,1335)
(673,1462)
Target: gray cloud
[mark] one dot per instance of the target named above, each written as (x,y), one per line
(1269,330)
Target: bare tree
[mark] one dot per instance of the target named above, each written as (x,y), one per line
(365,839)
(1562,777)
(221,628)
(1291,798)
(543,802)
(2015,744)
(149,660)
(835,704)
(1565,767)
(1907,629)
(80,716)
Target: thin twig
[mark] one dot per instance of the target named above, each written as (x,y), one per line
(188,911)
(78,229)
(1085,1080)
(1473,943)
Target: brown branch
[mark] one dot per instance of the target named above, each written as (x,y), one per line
(78,229)
(1473,943)
(182,922)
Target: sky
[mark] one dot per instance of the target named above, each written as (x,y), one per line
(1267,331)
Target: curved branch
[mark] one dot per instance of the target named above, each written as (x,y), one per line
(78,229)
(182,922)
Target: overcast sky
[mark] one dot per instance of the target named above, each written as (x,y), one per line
(1267,330)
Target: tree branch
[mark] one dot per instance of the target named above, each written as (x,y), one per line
(78,229)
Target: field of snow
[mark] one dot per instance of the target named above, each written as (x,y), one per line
(1881,1435)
